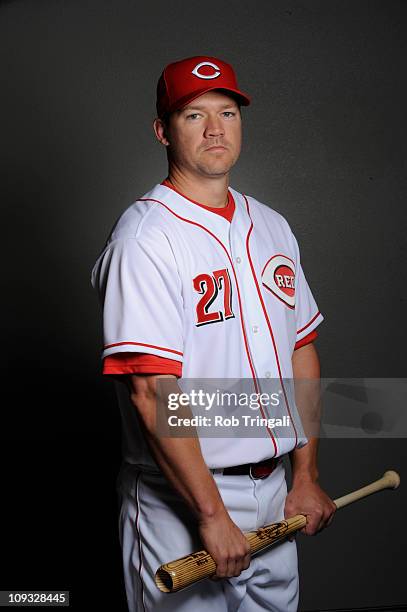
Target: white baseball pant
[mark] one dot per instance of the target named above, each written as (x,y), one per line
(156,526)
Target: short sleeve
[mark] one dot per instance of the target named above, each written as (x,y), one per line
(141,297)
(307,314)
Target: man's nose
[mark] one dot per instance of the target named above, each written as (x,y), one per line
(214,127)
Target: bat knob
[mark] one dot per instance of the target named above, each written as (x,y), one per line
(392,478)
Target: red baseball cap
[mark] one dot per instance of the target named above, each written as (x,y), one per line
(183,81)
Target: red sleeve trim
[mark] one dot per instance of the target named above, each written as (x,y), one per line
(160,348)
(140,363)
(306,340)
(309,323)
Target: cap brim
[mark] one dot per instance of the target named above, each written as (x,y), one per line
(243,98)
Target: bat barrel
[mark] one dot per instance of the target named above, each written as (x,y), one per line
(178,574)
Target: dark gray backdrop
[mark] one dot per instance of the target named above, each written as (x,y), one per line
(324,145)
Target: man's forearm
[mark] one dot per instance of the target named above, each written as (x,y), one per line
(180,459)
(306,372)
(306,496)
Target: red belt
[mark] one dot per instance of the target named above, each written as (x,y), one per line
(255,470)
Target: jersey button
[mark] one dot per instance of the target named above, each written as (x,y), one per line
(267,374)
(255,329)
(238,260)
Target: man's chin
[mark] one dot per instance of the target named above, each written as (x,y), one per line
(219,169)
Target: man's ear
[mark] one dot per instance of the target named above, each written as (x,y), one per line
(161,131)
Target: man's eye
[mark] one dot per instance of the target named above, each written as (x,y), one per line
(229,113)
(193,116)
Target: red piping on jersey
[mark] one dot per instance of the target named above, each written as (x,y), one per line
(308,324)
(136,524)
(266,316)
(238,297)
(226,212)
(160,348)
(148,363)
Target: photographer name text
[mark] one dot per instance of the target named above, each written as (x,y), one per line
(244,420)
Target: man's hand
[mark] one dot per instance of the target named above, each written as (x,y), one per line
(226,544)
(306,497)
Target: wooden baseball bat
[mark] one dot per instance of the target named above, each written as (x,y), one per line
(178,574)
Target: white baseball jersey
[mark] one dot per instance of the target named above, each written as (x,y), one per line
(227,299)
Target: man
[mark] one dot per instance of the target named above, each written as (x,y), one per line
(198,281)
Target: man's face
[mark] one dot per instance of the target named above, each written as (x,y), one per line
(205,136)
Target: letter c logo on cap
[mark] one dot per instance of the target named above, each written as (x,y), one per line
(211,75)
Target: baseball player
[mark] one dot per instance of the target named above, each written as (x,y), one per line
(199,281)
